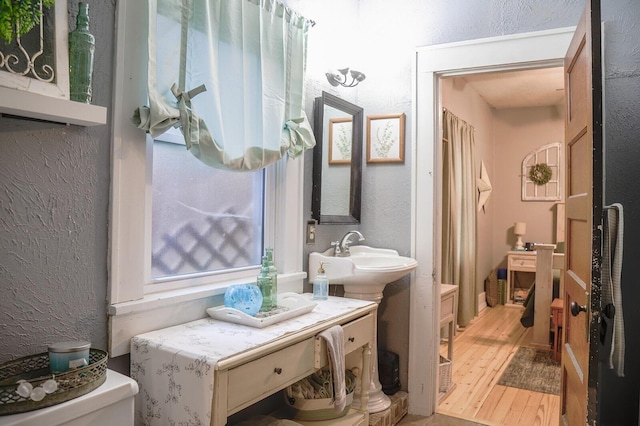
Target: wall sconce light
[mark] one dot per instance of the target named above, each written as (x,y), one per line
(340,77)
(519,229)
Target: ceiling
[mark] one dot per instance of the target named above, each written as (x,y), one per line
(518,89)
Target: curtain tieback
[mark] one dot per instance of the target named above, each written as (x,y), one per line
(190,121)
(187,96)
(299,131)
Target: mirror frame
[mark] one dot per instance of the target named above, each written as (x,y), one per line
(356,160)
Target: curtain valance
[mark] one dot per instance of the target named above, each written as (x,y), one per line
(230,75)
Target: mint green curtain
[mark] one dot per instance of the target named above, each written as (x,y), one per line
(459,220)
(230,75)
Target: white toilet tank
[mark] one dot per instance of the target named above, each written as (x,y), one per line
(110,404)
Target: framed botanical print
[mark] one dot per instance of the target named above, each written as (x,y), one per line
(385,138)
(340,140)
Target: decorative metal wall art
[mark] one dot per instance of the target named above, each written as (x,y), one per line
(484,186)
(38,60)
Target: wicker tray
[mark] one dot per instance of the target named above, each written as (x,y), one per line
(316,409)
(35,370)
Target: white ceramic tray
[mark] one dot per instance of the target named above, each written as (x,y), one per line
(290,305)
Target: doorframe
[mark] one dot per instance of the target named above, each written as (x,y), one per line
(540,49)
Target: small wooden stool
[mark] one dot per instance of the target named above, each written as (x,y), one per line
(556,321)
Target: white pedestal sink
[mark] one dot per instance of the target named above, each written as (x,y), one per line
(364,274)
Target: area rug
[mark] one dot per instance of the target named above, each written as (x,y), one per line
(533,370)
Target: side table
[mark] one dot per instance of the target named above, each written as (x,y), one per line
(518,261)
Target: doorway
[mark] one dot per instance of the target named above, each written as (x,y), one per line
(512,114)
(523,51)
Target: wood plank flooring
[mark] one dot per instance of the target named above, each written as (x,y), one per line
(481,353)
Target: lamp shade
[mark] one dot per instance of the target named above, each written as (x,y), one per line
(520,228)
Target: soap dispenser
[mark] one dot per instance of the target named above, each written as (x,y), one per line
(321,284)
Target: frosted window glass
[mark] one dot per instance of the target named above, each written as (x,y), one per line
(204,219)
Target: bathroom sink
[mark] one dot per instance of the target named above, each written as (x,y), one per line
(367,270)
(364,274)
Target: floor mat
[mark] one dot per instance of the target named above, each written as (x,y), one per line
(533,370)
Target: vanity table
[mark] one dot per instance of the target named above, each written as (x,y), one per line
(206,370)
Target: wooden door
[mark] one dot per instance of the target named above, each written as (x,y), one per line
(583,150)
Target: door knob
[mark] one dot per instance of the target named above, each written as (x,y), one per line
(576,309)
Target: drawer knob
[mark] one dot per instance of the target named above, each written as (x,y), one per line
(351,339)
(277,370)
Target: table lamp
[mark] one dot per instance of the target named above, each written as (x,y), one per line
(519,229)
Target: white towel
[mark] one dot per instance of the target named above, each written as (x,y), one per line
(334,337)
(611,272)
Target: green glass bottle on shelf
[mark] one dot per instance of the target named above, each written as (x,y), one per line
(264,283)
(273,274)
(82,45)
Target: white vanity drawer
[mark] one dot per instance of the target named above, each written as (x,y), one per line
(356,334)
(268,374)
(522,263)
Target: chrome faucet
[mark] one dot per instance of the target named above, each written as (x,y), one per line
(342,246)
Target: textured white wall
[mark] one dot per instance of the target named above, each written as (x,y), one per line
(54,195)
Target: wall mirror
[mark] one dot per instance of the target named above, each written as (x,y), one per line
(337,160)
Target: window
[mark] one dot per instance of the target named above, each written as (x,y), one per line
(204,220)
(142,297)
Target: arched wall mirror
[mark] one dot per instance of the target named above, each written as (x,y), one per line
(337,160)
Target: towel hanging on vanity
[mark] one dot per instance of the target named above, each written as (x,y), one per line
(334,337)
(611,289)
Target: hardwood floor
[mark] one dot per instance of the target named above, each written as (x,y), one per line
(481,353)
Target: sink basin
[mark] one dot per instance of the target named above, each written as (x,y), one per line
(367,270)
(364,274)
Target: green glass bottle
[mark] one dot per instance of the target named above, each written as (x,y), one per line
(273,274)
(82,45)
(264,283)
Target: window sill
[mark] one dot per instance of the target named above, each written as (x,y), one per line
(21,103)
(165,309)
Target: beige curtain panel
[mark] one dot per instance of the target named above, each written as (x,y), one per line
(459,220)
